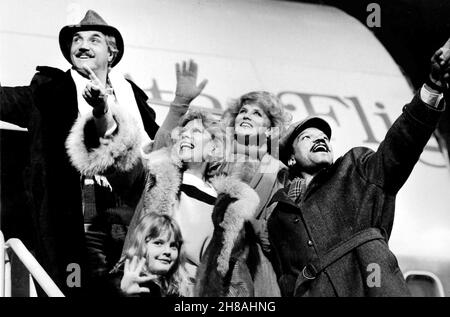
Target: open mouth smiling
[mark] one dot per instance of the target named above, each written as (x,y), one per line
(320,147)
(186,145)
(84,55)
(246,124)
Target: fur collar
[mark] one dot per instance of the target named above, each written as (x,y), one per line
(236,214)
(121,152)
(163,181)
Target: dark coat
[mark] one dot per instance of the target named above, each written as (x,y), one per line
(357,192)
(48,109)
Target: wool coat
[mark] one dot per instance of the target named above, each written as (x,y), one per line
(334,242)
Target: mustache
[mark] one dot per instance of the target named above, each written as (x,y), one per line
(84,53)
(319,143)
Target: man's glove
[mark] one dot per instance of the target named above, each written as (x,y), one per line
(440,68)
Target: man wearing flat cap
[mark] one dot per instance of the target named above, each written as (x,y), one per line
(62,198)
(331,226)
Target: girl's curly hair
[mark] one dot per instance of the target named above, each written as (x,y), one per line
(151,226)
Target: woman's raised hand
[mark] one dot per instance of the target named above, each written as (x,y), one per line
(187,88)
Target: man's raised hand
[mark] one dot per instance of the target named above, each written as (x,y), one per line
(95,92)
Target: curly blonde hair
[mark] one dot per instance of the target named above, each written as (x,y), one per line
(213,126)
(151,226)
(269,103)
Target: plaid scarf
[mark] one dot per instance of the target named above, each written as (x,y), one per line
(297,189)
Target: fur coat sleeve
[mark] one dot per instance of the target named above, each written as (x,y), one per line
(92,155)
(233,264)
(119,157)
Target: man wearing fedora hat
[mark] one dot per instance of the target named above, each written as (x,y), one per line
(48,108)
(329,229)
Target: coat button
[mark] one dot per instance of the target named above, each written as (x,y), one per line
(310,243)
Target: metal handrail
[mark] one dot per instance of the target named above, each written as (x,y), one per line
(32,265)
(7,277)
(2,265)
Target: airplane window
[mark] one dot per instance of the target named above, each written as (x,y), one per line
(424,285)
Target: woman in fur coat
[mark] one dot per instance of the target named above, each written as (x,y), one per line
(255,121)
(177,184)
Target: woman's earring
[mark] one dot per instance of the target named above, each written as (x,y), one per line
(291,161)
(211,152)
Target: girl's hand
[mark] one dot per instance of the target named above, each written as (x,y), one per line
(132,277)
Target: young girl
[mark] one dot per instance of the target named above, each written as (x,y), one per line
(154,263)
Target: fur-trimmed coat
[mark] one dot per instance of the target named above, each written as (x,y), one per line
(122,159)
(234,264)
(117,159)
(48,109)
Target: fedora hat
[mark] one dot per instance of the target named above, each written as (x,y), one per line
(92,21)
(295,129)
